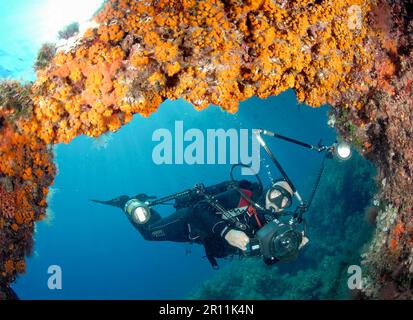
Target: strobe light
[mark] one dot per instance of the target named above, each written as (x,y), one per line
(343,151)
(138,211)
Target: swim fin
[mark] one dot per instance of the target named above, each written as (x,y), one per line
(121,201)
(118,202)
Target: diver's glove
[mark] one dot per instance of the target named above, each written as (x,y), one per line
(237,239)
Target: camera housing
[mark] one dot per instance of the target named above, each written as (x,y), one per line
(277,240)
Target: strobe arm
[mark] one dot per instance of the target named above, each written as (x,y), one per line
(278,165)
(198,190)
(174,196)
(318,148)
(345,154)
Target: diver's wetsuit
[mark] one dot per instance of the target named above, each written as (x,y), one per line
(197,221)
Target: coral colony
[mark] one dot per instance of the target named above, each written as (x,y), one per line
(355,55)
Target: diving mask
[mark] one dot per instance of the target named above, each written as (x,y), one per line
(279,196)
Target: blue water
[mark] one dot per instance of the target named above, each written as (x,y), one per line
(101,255)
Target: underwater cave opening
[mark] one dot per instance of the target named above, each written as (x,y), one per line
(364,72)
(103,257)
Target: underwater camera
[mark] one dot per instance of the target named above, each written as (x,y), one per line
(277,239)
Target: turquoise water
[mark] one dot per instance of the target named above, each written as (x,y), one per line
(26,24)
(100,253)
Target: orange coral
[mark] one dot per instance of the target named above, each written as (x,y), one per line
(393,245)
(26,172)
(399,229)
(21,266)
(203,51)
(7,203)
(141,53)
(397,233)
(9,266)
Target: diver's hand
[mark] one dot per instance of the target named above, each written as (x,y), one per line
(237,239)
(304,242)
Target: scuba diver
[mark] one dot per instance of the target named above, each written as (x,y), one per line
(233,217)
(220,217)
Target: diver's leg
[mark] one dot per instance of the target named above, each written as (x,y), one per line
(172,228)
(155,217)
(143,228)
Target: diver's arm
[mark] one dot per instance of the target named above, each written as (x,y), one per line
(212,222)
(209,220)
